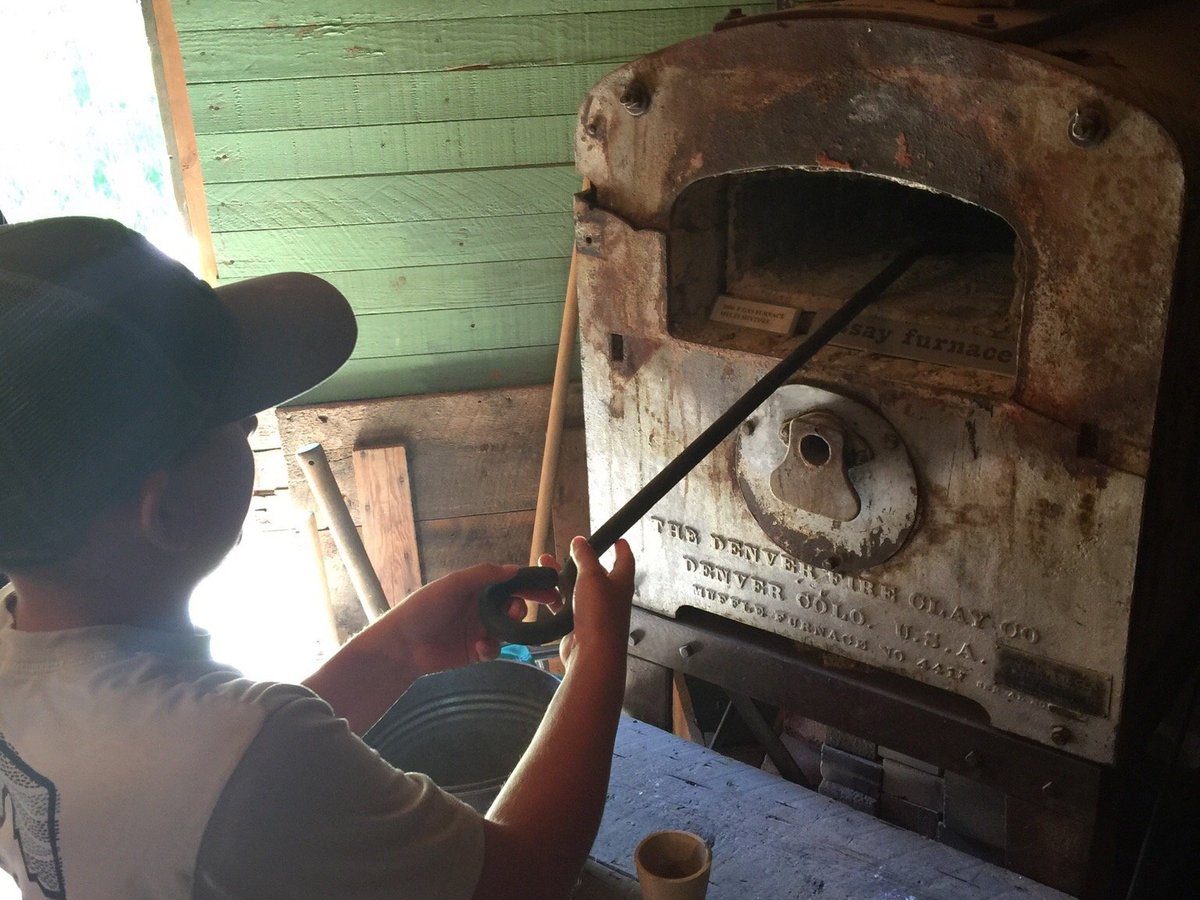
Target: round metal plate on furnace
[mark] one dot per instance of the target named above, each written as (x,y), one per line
(808,454)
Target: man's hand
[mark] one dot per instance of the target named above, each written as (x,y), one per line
(602,603)
(438,627)
(555,796)
(434,628)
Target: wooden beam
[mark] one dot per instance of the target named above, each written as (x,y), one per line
(389,533)
(317,102)
(179,130)
(434,373)
(380,199)
(362,247)
(381,48)
(387,149)
(280,14)
(554,427)
(507,282)
(570,515)
(683,713)
(473,470)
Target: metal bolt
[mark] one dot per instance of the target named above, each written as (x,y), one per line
(592,127)
(686,650)
(635,638)
(748,426)
(636,98)
(1088,126)
(973,759)
(1049,789)
(1060,734)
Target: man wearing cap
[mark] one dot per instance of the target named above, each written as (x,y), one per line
(131,764)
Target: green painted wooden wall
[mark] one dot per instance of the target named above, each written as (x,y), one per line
(416,153)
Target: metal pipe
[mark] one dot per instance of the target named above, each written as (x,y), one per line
(332,505)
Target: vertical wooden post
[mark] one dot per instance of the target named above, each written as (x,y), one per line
(179,130)
(683,713)
(554,425)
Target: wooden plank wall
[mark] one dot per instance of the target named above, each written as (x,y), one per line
(417,154)
(473,462)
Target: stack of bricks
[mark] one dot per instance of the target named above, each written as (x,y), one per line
(850,771)
(913,794)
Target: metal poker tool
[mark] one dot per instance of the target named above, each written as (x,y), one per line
(494,604)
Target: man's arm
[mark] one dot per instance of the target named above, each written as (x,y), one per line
(435,628)
(541,826)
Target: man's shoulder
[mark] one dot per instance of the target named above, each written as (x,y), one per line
(182,695)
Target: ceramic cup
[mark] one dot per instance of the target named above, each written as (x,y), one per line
(673,865)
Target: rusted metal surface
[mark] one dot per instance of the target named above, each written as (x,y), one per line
(881,708)
(980,123)
(1023,538)
(990,563)
(827,479)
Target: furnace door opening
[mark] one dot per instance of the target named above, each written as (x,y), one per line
(758,258)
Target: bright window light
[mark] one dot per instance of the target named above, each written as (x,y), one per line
(82,134)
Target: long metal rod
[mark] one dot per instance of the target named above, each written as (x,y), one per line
(494,604)
(655,489)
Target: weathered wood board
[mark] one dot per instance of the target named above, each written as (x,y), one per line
(291,14)
(393,197)
(395,244)
(474,461)
(417,154)
(376,149)
(388,531)
(438,372)
(384,47)
(458,286)
(774,840)
(391,100)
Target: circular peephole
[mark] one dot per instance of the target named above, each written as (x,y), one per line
(814,449)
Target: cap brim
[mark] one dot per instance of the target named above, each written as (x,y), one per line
(295,331)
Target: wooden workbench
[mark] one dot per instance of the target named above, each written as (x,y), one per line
(774,840)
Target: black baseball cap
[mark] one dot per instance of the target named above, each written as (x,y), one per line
(114,358)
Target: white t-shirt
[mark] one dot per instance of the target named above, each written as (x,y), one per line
(133,766)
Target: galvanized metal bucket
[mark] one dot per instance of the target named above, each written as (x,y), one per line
(465,728)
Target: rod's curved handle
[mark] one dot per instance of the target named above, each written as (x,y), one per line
(493,605)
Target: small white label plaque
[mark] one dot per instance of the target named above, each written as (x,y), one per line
(753,314)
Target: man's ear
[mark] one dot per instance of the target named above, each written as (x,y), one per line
(163,528)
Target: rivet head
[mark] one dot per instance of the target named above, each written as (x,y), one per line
(636,98)
(686,650)
(635,638)
(1088,126)
(1060,734)
(973,759)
